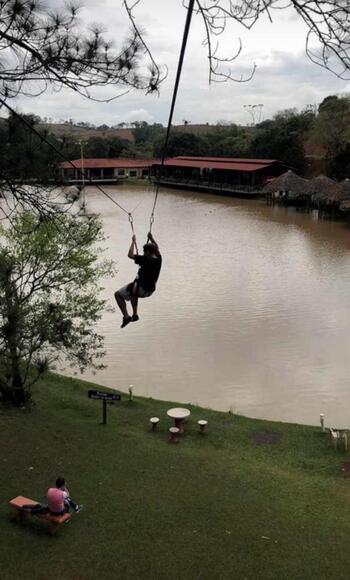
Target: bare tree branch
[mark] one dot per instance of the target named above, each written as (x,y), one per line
(327,42)
(49,48)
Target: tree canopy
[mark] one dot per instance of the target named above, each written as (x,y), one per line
(49,299)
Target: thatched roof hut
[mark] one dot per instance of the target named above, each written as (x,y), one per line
(346,187)
(323,188)
(345,205)
(288,182)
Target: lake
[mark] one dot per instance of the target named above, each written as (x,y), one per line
(251,312)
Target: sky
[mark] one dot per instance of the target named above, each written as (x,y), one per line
(284,78)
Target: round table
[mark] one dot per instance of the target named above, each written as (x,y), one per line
(179,414)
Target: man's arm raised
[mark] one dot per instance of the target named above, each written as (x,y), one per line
(153,241)
(131,253)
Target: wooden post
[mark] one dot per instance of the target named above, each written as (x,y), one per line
(104,412)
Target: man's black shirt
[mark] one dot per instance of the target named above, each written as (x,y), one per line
(149,271)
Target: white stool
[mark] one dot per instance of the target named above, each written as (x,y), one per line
(174,431)
(202,425)
(154,422)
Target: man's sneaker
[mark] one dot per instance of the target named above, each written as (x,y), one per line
(78,508)
(134,318)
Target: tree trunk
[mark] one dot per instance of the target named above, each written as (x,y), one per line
(17,393)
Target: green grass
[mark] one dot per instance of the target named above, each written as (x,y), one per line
(212,507)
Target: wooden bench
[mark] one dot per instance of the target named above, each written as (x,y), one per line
(55,521)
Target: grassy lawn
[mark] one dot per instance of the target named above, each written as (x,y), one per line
(248,500)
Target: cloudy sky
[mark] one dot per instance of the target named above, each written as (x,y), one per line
(284,77)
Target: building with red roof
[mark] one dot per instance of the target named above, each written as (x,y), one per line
(105,170)
(217,173)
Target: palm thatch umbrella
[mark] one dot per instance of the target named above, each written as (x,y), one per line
(346,187)
(345,205)
(288,182)
(325,189)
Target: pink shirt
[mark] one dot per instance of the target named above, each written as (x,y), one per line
(55,499)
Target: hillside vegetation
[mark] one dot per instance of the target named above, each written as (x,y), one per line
(312,141)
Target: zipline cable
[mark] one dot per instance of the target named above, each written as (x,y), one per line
(176,86)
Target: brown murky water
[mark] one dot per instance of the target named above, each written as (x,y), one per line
(251,311)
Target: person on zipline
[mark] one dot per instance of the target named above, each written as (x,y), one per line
(145,283)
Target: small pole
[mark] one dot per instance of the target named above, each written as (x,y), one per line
(322,422)
(104,412)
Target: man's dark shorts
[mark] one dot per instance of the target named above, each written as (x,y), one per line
(126,292)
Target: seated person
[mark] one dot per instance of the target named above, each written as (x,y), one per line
(59,501)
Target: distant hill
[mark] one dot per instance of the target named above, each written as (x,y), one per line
(60,129)
(203,128)
(80,132)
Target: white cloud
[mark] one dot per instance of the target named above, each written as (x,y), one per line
(284,78)
(139,115)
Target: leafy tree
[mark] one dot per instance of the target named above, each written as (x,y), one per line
(142,151)
(23,150)
(49,299)
(281,138)
(96,147)
(182,143)
(116,146)
(145,133)
(227,141)
(339,166)
(233,147)
(332,130)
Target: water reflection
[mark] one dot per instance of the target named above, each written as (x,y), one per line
(251,310)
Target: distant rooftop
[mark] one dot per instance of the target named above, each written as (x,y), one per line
(230,163)
(107,163)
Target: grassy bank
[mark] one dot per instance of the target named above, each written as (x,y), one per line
(249,499)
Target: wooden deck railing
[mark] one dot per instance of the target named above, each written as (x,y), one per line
(209,184)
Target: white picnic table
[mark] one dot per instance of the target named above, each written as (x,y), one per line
(179,414)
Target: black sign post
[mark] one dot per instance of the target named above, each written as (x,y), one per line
(104,412)
(105,398)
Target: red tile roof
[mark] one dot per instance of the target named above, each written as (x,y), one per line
(230,163)
(108,163)
(226,159)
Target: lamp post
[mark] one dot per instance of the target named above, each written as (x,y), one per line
(322,422)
